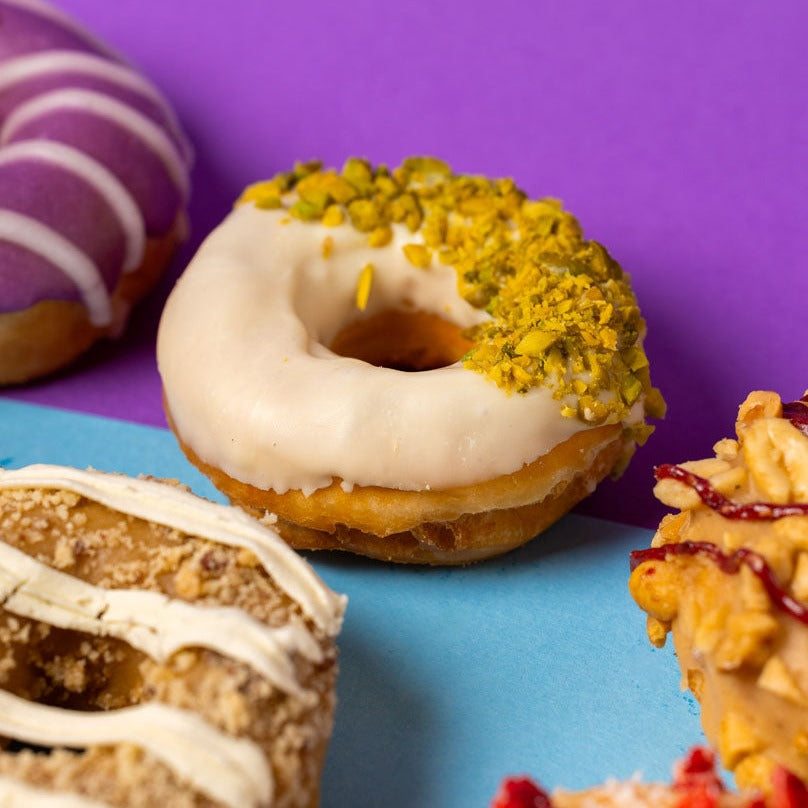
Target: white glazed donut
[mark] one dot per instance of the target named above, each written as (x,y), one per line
(167,650)
(252,350)
(93,185)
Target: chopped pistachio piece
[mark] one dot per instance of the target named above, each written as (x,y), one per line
(418,255)
(334,216)
(380,236)
(536,344)
(562,312)
(363,286)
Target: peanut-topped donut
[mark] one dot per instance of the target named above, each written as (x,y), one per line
(93,184)
(167,651)
(285,346)
(728,576)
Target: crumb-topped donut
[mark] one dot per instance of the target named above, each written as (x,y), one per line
(285,346)
(695,785)
(93,184)
(728,577)
(165,650)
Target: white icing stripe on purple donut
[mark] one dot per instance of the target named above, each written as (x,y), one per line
(94,103)
(55,15)
(38,65)
(96,175)
(60,83)
(43,241)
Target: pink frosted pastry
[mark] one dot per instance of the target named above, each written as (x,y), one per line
(93,185)
(695,785)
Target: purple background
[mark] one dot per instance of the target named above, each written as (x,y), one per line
(677,132)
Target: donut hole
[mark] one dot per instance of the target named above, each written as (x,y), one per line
(403,340)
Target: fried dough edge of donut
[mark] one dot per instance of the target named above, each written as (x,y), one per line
(51,334)
(446,527)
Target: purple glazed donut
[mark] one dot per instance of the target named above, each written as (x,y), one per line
(93,186)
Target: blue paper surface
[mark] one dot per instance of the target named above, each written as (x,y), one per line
(452,678)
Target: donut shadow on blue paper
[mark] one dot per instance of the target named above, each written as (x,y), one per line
(450,678)
(536,661)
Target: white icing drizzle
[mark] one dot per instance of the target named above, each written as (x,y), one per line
(173,150)
(175,507)
(95,103)
(44,9)
(254,313)
(231,770)
(64,255)
(17,794)
(95,175)
(36,65)
(150,621)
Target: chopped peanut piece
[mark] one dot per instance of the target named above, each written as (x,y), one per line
(710,630)
(657,631)
(778,679)
(754,770)
(726,449)
(656,588)
(695,682)
(758,404)
(730,481)
(748,640)
(795,529)
(799,583)
(672,526)
(753,594)
(801,742)
(676,495)
(737,738)
(765,463)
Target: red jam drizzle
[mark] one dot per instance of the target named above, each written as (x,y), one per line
(728,563)
(764,511)
(696,780)
(797,413)
(520,792)
(788,790)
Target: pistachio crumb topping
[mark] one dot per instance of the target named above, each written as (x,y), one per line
(363,286)
(562,311)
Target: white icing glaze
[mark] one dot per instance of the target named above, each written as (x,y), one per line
(17,794)
(150,621)
(56,62)
(248,323)
(228,769)
(175,507)
(104,106)
(65,256)
(96,175)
